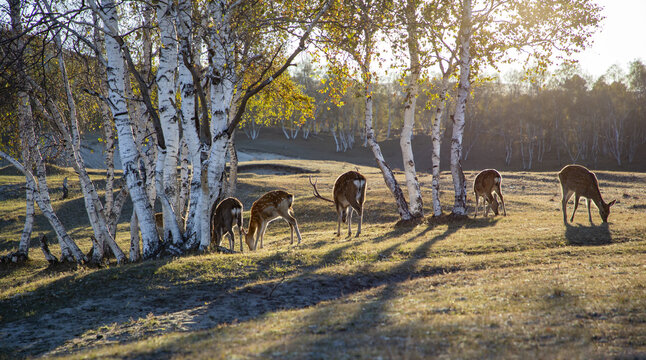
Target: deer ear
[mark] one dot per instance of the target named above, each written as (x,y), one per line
(612,203)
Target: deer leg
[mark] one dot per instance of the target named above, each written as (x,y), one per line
(349,216)
(576,205)
(218,237)
(240,233)
(339,212)
(294,225)
(488,202)
(232,240)
(566,196)
(291,232)
(589,214)
(263,228)
(360,213)
(499,192)
(259,231)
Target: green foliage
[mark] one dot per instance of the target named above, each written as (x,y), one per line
(281,100)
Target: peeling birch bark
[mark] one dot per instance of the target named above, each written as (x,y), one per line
(436,137)
(93,205)
(127,147)
(24,116)
(167,185)
(412,184)
(459,182)
(389,177)
(189,120)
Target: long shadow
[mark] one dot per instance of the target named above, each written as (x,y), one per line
(388,252)
(375,310)
(208,304)
(588,235)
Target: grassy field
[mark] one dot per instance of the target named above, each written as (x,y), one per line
(520,286)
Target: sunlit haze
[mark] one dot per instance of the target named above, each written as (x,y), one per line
(619,40)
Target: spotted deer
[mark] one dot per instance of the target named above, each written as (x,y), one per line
(485,182)
(577,180)
(349,193)
(271,206)
(224,217)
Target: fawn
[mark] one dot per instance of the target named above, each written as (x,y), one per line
(269,207)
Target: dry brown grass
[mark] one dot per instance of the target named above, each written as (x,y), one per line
(520,286)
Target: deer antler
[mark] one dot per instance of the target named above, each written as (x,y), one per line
(316,192)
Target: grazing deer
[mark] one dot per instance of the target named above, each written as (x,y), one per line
(577,180)
(269,207)
(487,181)
(349,194)
(224,217)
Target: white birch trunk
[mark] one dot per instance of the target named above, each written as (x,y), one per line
(69,250)
(188,122)
(167,185)
(437,145)
(459,182)
(127,147)
(108,127)
(389,177)
(24,114)
(135,249)
(184,185)
(93,205)
(221,66)
(412,184)
(25,118)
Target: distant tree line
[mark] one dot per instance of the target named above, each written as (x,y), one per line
(567,116)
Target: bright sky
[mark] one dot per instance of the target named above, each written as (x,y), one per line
(621,39)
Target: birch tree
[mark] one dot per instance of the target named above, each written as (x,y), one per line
(67,125)
(115,72)
(411,19)
(350,35)
(168,157)
(459,181)
(526,32)
(25,118)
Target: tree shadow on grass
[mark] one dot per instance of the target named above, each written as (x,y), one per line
(139,290)
(588,235)
(375,309)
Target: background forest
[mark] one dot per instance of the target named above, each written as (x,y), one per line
(514,121)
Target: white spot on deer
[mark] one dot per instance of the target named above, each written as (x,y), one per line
(359,184)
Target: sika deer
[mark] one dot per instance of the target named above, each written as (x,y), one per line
(486,181)
(269,207)
(224,217)
(577,180)
(349,194)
